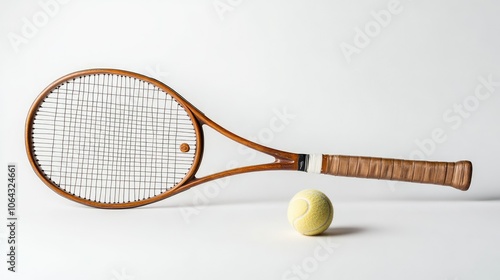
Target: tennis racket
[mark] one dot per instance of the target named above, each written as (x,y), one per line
(115,139)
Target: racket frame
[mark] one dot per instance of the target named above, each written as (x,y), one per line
(283,160)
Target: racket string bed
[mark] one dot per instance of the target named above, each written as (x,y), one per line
(112,138)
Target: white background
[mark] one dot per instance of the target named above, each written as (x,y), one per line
(348,83)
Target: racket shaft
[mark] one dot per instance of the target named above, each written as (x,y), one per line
(455,174)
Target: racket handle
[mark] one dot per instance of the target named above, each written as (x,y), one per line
(454,174)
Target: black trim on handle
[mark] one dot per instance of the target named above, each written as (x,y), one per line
(302,162)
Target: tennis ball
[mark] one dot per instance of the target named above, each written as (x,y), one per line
(310,212)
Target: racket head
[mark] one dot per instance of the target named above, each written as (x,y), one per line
(111,138)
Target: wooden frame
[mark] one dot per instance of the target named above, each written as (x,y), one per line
(283,160)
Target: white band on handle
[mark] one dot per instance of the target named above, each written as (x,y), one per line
(314,163)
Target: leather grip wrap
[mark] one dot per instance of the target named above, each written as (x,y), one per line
(455,174)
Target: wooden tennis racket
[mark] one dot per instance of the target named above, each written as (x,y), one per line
(116,139)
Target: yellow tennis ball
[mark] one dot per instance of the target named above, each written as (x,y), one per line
(310,212)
